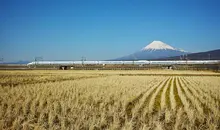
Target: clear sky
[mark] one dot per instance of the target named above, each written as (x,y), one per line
(104,29)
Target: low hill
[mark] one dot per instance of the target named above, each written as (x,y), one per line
(208,55)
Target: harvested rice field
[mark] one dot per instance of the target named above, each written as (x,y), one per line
(115,100)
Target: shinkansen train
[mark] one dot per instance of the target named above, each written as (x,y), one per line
(140,62)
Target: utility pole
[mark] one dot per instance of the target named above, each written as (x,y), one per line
(186,58)
(1,60)
(37,58)
(134,59)
(209,56)
(83,59)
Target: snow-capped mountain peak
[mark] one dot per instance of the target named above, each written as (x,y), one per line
(155,50)
(158,45)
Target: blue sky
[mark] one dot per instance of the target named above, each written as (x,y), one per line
(104,29)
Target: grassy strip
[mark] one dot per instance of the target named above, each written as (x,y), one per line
(146,101)
(206,109)
(136,119)
(157,103)
(213,97)
(168,95)
(131,105)
(177,98)
(181,87)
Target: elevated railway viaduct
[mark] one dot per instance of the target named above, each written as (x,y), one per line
(126,65)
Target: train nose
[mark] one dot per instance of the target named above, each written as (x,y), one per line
(29,64)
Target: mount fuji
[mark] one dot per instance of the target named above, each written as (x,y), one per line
(155,50)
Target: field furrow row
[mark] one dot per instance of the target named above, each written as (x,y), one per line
(165,97)
(194,102)
(154,103)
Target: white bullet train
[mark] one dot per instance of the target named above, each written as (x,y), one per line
(139,62)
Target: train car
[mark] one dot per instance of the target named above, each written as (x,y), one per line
(66,64)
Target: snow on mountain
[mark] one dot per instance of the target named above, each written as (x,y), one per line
(158,45)
(155,50)
(183,50)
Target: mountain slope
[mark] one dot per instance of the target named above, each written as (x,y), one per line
(154,50)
